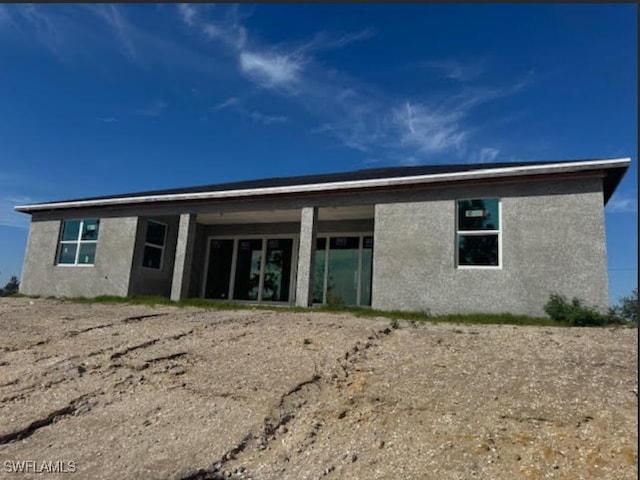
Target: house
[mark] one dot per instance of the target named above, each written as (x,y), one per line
(493,237)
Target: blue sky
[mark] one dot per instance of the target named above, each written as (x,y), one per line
(105,99)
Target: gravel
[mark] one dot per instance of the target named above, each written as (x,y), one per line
(133,391)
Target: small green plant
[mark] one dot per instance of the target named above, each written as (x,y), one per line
(627,308)
(576,314)
(11,288)
(395,324)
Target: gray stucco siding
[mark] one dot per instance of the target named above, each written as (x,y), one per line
(108,276)
(552,242)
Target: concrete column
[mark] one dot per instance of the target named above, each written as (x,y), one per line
(306,256)
(184,257)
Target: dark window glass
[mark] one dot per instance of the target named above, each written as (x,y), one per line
(480,214)
(67,253)
(152,257)
(90,230)
(318,270)
(155,233)
(248,270)
(277,270)
(70,230)
(87,253)
(478,250)
(220,258)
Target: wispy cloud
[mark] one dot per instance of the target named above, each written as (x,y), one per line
(488,154)
(152,109)
(118,24)
(457,70)
(259,117)
(187,12)
(226,103)
(622,204)
(107,119)
(8,216)
(271,69)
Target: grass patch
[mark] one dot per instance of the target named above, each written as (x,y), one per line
(395,316)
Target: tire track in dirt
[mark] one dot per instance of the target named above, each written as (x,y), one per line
(230,464)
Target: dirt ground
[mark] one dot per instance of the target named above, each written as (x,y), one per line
(137,392)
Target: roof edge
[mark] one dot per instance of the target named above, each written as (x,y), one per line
(522,170)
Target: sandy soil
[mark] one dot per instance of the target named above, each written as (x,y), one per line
(137,392)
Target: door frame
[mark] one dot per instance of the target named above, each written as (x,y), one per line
(232,277)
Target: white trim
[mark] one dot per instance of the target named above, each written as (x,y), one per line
(489,172)
(478,233)
(78,242)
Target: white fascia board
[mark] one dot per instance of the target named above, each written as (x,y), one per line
(560,167)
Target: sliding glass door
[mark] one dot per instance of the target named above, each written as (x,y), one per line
(342,273)
(252,269)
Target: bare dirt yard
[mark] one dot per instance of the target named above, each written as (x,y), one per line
(137,392)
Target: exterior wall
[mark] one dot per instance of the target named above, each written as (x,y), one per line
(553,241)
(149,281)
(108,276)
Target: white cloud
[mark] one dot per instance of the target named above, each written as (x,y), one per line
(118,24)
(227,103)
(264,119)
(153,109)
(621,204)
(270,69)
(488,154)
(188,13)
(427,129)
(457,70)
(107,119)
(8,216)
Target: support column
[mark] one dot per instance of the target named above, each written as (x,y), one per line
(306,256)
(184,257)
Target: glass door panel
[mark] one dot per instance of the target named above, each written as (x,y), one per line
(249,259)
(277,270)
(365,275)
(219,269)
(318,270)
(342,282)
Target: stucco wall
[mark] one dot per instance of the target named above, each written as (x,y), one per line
(108,276)
(149,281)
(553,240)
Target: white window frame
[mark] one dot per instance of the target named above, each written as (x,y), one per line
(153,245)
(471,233)
(78,242)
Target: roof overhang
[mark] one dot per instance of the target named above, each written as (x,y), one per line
(614,169)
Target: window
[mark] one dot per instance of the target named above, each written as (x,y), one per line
(478,232)
(78,242)
(154,245)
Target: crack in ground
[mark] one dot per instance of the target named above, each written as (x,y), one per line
(286,410)
(78,405)
(139,318)
(148,343)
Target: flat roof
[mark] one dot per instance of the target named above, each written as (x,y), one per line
(613,170)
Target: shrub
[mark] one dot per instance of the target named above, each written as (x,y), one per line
(628,307)
(576,314)
(11,288)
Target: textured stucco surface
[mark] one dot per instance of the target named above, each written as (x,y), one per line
(306,257)
(108,276)
(184,257)
(553,241)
